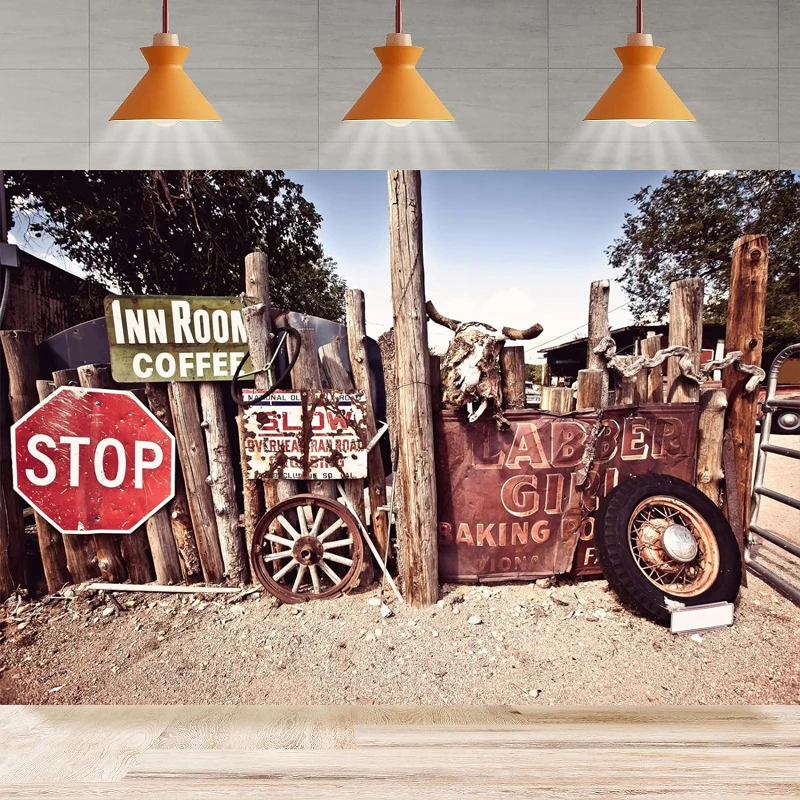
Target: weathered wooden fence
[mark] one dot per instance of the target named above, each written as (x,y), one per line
(730,408)
(204,533)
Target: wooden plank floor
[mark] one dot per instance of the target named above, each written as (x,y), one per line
(369,752)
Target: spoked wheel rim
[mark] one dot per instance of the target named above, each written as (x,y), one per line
(307,548)
(660,534)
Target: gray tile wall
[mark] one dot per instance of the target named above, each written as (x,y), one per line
(518,75)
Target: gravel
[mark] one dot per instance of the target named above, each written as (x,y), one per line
(571,643)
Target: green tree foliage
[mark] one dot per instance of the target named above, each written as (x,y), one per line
(685,227)
(184,233)
(534,373)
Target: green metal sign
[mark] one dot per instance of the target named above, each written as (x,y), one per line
(164,338)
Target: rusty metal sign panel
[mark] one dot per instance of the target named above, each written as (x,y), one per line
(509,504)
(306,435)
(93,461)
(163,338)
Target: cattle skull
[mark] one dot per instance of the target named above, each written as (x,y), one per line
(471,366)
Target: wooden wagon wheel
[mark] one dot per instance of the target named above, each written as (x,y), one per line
(307,548)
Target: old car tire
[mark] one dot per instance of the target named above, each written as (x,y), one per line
(629,532)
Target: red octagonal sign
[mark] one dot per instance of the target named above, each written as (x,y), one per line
(93,461)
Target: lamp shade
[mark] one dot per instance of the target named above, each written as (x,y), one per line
(166,94)
(399,94)
(639,94)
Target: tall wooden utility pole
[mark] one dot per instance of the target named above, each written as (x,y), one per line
(745,331)
(419,561)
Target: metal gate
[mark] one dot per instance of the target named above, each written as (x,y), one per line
(772,404)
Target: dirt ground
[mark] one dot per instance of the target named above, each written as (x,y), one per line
(571,643)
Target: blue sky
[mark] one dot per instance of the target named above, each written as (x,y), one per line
(507,248)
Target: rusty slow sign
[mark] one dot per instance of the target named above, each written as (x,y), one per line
(510,506)
(319,435)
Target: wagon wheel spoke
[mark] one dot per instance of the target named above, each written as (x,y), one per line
(281,556)
(271,537)
(337,543)
(338,559)
(330,529)
(317,522)
(301,570)
(329,572)
(283,570)
(287,526)
(301,518)
(314,578)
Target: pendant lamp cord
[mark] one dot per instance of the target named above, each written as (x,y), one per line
(639,17)
(398,16)
(165,16)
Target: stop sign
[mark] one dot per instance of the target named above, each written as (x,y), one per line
(93,460)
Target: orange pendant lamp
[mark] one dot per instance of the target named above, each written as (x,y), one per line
(166,95)
(399,94)
(639,95)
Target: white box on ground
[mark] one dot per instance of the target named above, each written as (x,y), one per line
(691,619)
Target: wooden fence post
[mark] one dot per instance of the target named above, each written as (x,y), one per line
(178,508)
(626,388)
(79,548)
(333,369)
(306,375)
(590,389)
(115,553)
(713,403)
(685,328)
(223,483)
(192,454)
(355,310)
(22,359)
(655,377)
(557,399)
(598,330)
(418,544)
(745,331)
(256,286)
(512,374)
(13,566)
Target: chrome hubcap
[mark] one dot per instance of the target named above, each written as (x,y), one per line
(680,544)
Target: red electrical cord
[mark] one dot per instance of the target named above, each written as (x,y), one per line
(165,16)
(398,16)
(639,17)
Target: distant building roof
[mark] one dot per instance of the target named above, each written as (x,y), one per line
(709,328)
(659,328)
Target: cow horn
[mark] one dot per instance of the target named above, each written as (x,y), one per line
(528,333)
(435,316)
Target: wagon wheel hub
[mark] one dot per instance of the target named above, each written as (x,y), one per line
(308,550)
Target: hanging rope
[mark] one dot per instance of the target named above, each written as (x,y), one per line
(607,347)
